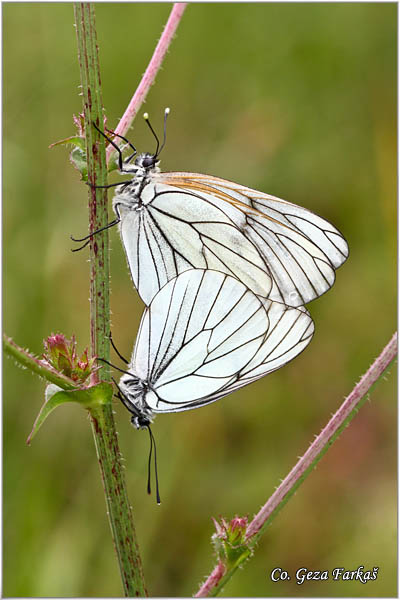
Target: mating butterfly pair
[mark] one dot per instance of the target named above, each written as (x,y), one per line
(224,271)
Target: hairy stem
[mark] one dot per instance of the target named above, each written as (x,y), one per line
(103,426)
(150,73)
(347,411)
(36,365)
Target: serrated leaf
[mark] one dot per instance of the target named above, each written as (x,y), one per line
(55,396)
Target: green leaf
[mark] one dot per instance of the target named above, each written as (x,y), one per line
(112,165)
(78,155)
(78,159)
(75,140)
(235,556)
(88,398)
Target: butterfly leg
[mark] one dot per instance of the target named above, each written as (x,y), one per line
(117,148)
(106,362)
(87,238)
(117,351)
(109,185)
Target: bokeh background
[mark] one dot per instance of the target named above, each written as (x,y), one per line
(298,100)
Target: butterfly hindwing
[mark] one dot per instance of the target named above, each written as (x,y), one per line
(205,334)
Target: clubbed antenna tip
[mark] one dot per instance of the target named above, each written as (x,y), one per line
(158,148)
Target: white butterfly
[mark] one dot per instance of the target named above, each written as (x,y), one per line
(204,335)
(171,222)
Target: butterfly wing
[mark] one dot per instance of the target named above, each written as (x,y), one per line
(205,334)
(301,249)
(290,331)
(175,230)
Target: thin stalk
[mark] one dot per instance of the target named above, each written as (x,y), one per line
(347,411)
(34,364)
(150,73)
(102,420)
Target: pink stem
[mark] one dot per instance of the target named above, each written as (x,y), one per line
(150,73)
(365,383)
(211,581)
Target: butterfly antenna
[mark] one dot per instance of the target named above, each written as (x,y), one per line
(152,443)
(149,463)
(146,118)
(166,113)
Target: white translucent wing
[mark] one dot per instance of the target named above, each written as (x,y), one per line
(175,230)
(301,249)
(205,335)
(198,333)
(290,331)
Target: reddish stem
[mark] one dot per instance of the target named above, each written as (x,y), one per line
(150,73)
(362,387)
(213,581)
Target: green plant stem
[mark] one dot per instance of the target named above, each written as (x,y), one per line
(36,365)
(103,426)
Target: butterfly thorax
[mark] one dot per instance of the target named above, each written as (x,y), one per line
(134,390)
(128,194)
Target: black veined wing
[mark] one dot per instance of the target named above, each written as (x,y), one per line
(204,335)
(166,230)
(171,222)
(301,249)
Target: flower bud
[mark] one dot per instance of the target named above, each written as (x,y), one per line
(60,353)
(237,530)
(230,541)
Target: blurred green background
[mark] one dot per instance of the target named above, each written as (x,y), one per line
(298,100)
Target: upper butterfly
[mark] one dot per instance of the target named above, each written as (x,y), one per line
(171,222)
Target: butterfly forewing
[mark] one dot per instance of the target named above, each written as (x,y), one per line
(176,231)
(300,249)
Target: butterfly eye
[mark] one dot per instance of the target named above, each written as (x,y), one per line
(146,161)
(149,161)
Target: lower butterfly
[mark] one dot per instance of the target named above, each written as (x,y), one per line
(174,221)
(203,336)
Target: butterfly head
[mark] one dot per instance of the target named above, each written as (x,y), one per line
(140,421)
(146,161)
(132,394)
